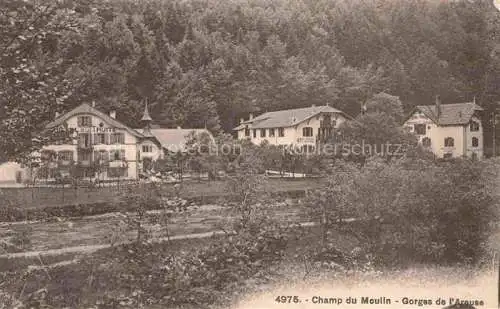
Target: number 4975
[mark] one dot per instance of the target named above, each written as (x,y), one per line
(287,299)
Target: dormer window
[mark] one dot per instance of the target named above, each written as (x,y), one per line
(474,126)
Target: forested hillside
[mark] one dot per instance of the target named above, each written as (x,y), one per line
(208,63)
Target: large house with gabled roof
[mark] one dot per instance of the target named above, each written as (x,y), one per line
(301,127)
(99,139)
(448,130)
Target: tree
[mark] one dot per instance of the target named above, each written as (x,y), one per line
(386,104)
(33,87)
(376,133)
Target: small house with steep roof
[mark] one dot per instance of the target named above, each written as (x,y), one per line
(448,130)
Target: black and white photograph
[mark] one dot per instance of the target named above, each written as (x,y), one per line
(249,154)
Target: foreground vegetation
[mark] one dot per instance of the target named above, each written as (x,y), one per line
(408,212)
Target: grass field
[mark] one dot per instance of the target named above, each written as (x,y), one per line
(112,228)
(40,197)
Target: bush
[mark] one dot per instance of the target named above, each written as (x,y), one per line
(409,212)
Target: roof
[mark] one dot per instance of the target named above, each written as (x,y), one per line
(87,109)
(174,139)
(288,117)
(451,114)
(146,116)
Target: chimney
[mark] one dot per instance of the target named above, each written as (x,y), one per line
(93,103)
(313,105)
(438,106)
(57,115)
(112,114)
(242,120)
(250,116)
(179,127)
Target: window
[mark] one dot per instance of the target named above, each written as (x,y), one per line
(420,129)
(254,133)
(310,149)
(474,126)
(99,138)
(84,156)
(475,142)
(84,140)
(101,156)
(271,132)
(65,155)
(307,131)
(116,155)
(281,132)
(247,131)
(117,138)
(147,148)
(449,142)
(262,132)
(84,121)
(426,142)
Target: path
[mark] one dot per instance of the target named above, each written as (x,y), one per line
(93,248)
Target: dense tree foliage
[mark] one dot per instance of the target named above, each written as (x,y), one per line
(410,211)
(208,63)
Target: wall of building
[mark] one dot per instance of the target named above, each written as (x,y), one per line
(293,135)
(97,124)
(461,135)
(12,174)
(470,149)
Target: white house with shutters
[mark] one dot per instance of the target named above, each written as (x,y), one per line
(301,127)
(448,130)
(99,139)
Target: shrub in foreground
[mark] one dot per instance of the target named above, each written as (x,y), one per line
(409,212)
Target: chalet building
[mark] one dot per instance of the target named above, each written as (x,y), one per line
(448,130)
(114,149)
(304,128)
